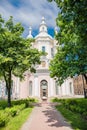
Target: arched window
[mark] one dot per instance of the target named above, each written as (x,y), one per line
(44,89)
(44,84)
(43,49)
(30,88)
(43,28)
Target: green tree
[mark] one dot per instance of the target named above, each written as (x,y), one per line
(71,56)
(16,53)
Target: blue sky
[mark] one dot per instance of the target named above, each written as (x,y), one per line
(29,13)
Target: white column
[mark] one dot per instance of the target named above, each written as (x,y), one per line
(51,87)
(59,89)
(72,88)
(17,87)
(36,87)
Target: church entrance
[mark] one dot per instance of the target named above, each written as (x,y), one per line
(43,89)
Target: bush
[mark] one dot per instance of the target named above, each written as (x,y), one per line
(58,100)
(3,104)
(84,115)
(7,114)
(27,102)
(75,105)
(15,110)
(3,119)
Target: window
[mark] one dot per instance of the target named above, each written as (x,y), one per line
(44,88)
(43,48)
(52,53)
(6,91)
(43,28)
(43,83)
(30,88)
(43,63)
(70,84)
(56,88)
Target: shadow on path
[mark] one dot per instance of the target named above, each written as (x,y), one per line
(54,118)
(45,117)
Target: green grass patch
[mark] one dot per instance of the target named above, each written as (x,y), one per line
(12,118)
(16,122)
(76,121)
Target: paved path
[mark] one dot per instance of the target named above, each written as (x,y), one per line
(45,117)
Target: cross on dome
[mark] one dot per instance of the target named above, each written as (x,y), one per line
(43,21)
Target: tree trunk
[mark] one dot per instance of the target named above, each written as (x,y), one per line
(7,78)
(84,89)
(85,76)
(9,89)
(9,97)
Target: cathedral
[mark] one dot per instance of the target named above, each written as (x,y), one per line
(40,84)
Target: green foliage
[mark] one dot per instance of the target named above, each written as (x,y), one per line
(76,120)
(8,113)
(15,110)
(16,122)
(3,104)
(75,105)
(16,52)
(18,106)
(27,101)
(75,111)
(57,100)
(3,118)
(72,39)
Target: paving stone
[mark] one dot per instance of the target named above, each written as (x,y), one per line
(46,117)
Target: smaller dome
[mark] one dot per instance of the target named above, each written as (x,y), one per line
(30,33)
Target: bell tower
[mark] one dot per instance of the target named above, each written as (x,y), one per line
(43,26)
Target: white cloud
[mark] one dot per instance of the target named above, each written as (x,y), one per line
(30,12)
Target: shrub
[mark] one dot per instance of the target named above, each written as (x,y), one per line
(26,104)
(3,104)
(13,111)
(75,105)
(3,119)
(84,115)
(17,106)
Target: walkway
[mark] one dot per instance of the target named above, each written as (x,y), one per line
(45,117)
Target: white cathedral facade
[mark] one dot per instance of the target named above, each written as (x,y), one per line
(40,84)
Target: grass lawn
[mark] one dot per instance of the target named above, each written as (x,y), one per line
(16,122)
(76,121)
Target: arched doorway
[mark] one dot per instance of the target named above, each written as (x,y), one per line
(43,89)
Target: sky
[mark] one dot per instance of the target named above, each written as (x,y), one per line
(29,13)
